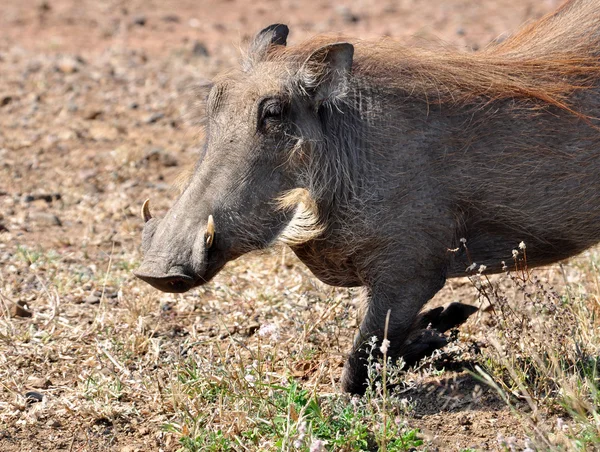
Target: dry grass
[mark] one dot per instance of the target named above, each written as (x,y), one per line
(251,361)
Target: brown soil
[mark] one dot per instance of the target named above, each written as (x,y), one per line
(93,120)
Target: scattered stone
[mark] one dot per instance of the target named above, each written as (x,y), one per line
(130,449)
(33,397)
(90,115)
(200,49)
(20,309)
(3,228)
(39,382)
(160,155)
(44,6)
(139,20)
(154,117)
(251,329)
(68,65)
(5,100)
(464,420)
(101,132)
(173,18)
(54,423)
(92,299)
(45,218)
(347,15)
(48,197)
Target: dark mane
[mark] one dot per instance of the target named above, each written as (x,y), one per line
(546,61)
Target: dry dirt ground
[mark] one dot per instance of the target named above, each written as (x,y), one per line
(94,118)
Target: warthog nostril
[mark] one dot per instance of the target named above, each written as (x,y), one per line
(177,283)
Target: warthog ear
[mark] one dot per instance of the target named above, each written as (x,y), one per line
(273,35)
(324,74)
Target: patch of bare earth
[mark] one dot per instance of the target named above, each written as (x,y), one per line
(94,118)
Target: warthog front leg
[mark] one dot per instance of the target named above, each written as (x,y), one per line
(411,336)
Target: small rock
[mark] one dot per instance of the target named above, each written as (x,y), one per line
(48,197)
(347,14)
(200,49)
(54,423)
(139,20)
(5,100)
(33,397)
(44,6)
(39,382)
(102,132)
(160,155)
(90,115)
(129,449)
(45,218)
(3,228)
(92,299)
(20,309)
(173,18)
(464,420)
(67,65)
(154,117)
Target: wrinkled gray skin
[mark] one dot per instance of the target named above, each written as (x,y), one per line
(416,180)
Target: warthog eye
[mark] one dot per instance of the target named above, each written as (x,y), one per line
(270,112)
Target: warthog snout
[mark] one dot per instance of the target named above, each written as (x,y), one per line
(173,282)
(188,261)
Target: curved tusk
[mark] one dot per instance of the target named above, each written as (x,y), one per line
(209,236)
(146,211)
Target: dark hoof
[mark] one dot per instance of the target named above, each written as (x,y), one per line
(444,319)
(422,343)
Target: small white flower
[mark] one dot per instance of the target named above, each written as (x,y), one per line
(250,379)
(482,268)
(302,429)
(317,446)
(522,246)
(471,267)
(385,345)
(268,329)
(463,240)
(515,254)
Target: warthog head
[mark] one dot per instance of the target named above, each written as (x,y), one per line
(255,183)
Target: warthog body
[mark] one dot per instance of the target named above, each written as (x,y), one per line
(373,160)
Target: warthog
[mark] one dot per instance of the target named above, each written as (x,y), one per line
(373,161)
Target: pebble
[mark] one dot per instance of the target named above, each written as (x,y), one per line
(200,49)
(92,299)
(39,382)
(48,197)
(20,309)
(45,218)
(67,65)
(139,20)
(154,117)
(33,397)
(173,18)
(347,14)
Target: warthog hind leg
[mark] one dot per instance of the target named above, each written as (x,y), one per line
(411,336)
